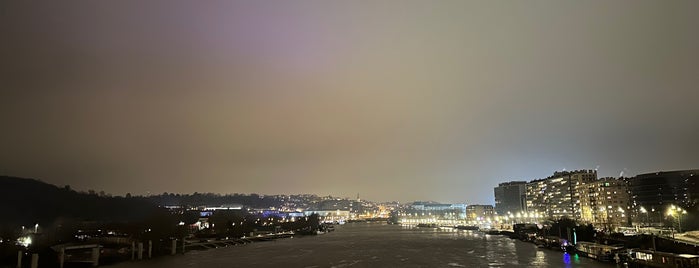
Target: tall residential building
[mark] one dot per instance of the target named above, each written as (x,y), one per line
(606,203)
(659,190)
(558,195)
(510,197)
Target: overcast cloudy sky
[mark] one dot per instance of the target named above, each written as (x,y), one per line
(394,100)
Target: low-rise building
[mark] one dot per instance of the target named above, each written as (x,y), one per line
(330,215)
(479,212)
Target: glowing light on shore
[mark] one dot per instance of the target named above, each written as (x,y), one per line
(24,241)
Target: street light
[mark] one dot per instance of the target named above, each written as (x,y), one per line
(644,211)
(605,217)
(511,217)
(621,218)
(680,211)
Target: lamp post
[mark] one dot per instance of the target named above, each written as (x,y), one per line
(604,217)
(679,211)
(644,211)
(679,220)
(621,216)
(511,217)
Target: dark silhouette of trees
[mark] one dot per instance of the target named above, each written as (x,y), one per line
(27,202)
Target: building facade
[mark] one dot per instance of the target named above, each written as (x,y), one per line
(329,215)
(479,212)
(606,203)
(559,195)
(652,194)
(455,211)
(511,197)
(662,189)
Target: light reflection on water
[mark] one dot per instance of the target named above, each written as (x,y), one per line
(378,245)
(539,258)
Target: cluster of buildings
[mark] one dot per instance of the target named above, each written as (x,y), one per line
(643,200)
(607,203)
(446,214)
(328,209)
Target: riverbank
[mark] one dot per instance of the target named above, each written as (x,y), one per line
(194,246)
(639,250)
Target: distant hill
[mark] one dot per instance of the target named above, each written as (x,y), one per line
(29,201)
(211,199)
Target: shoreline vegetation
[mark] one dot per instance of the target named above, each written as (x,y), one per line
(58,223)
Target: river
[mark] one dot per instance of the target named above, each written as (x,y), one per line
(377,245)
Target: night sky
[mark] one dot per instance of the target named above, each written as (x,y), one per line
(394,100)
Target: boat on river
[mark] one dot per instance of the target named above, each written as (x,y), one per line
(597,251)
(467,227)
(659,259)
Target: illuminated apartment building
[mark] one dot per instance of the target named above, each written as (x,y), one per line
(559,195)
(606,203)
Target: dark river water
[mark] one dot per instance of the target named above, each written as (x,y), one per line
(378,245)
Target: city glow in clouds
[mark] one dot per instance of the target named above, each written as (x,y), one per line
(395,100)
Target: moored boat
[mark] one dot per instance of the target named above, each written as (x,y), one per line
(598,252)
(659,259)
(492,231)
(467,227)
